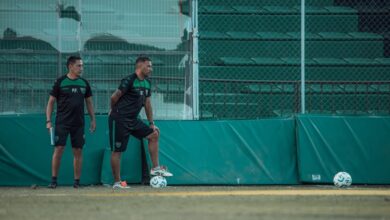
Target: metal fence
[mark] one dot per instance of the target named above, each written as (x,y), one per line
(38,36)
(251,56)
(213,59)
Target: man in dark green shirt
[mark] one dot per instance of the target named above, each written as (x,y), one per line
(127,101)
(70,91)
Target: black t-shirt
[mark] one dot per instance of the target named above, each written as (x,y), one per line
(70,95)
(134,92)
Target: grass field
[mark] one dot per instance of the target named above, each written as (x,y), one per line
(196,202)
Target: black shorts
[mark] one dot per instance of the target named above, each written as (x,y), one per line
(120,130)
(77,136)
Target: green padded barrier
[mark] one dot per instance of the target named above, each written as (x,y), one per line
(25,152)
(357,145)
(248,153)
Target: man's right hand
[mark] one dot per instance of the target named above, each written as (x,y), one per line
(48,126)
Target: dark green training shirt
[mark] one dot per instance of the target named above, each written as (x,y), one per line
(70,95)
(134,92)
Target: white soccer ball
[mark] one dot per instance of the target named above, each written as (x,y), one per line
(158,182)
(342,179)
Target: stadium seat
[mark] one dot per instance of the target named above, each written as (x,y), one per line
(235,61)
(243,9)
(213,35)
(268,61)
(242,35)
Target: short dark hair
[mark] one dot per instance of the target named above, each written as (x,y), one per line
(72,60)
(142,59)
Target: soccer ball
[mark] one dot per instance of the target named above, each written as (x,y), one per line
(342,179)
(158,182)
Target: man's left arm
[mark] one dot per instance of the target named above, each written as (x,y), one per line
(149,112)
(91,113)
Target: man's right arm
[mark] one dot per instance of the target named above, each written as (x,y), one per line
(49,110)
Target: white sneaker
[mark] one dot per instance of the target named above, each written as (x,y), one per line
(120,185)
(160,171)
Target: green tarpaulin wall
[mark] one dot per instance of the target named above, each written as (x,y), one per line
(230,152)
(357,145)
(212,152)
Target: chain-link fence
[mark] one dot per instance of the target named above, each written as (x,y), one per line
(38,36)
(250,57)
(249,53)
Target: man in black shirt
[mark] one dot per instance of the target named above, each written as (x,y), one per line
(127,101)
(70,91)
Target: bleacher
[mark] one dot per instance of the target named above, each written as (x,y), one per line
(109,37)
(244,44)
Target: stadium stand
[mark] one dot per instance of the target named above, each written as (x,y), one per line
(254,43)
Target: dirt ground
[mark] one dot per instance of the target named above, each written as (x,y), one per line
(195,202)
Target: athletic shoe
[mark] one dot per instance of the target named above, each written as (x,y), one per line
(52,185)
(160,171)
(120,185)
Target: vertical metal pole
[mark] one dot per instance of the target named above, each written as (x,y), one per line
(79,28)
(59,36)
(303,110)
(195,61)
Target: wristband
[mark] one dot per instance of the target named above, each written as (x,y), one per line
(48,121)
(151,123)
